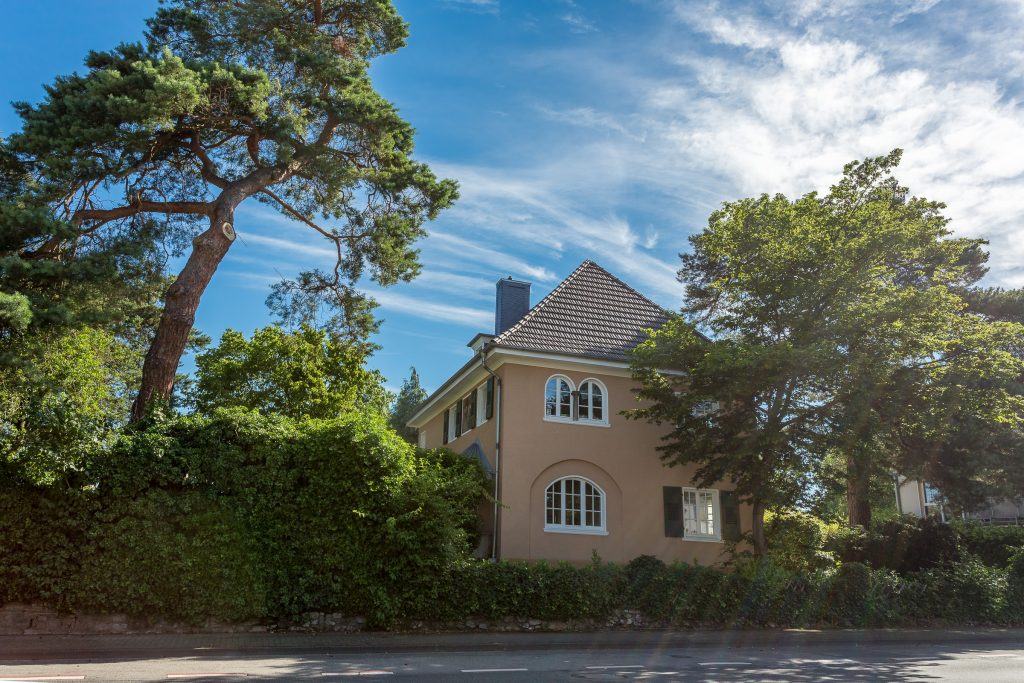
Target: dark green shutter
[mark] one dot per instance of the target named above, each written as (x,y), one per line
(471,418)
(489,400)
(730,503)
(673,496)
(458,419)
(446,426)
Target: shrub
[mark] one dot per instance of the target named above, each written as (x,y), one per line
(1015,588)
(966,593)
(797,540)
(993,545)
(903,545)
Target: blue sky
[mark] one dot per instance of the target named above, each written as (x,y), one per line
(610,129)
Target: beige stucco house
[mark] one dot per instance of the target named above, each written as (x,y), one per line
(540,403)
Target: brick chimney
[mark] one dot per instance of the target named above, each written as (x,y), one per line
(511,304)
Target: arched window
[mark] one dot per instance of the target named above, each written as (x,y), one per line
(558,398)
(592,401)
(574,504)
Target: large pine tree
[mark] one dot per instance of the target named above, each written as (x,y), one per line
(157,144)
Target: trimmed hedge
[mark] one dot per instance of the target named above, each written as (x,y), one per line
(243,516)
(993,545)
(756,594)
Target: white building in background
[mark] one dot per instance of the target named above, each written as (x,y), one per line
(921,499)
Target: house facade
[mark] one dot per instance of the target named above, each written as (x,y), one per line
(539,404)
(921,499)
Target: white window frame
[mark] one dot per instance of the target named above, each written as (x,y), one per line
(572,401)
(451,421)
(481,404)
(716,515)
(562,528)
(463,408)
(604,403)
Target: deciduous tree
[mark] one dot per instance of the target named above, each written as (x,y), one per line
(306,373)
(824,311)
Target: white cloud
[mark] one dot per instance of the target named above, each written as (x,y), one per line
(473,251)
(325,251)
(578,23)
(483,6)
(788,100)
(425,308)
(791,123)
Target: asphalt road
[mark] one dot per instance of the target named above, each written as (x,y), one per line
(986,656)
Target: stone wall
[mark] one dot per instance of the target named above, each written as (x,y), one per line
(22,619)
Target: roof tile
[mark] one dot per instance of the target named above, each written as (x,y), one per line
(591,313)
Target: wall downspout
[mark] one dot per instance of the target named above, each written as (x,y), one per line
(497,451)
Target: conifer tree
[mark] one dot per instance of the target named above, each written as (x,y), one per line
(156,145)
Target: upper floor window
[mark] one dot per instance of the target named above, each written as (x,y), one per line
(591,401)
(472,410)
(574,505)
(562,402)
(558,398)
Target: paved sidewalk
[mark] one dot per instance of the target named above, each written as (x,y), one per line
(28,648)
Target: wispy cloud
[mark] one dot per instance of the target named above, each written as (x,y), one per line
(474,250)
(427,309)
(305,248)
(778,103)
(578,23)
(482,6)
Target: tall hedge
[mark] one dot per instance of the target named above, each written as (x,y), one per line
(244,516)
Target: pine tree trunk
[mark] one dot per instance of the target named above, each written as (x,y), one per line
(179,314)
(858,492)
(757,529)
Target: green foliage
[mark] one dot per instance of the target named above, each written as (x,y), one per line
(958,593)
(64,401)
(183,556)
(841,328)
(242,516)
(903,545)
(306,373)
(1015,587)
(798,540)
(15,314)
(152,145)
(410,396)
(993,545)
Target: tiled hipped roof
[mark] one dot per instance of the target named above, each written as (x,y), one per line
(591,314)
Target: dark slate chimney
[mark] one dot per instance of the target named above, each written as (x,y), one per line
(512,303)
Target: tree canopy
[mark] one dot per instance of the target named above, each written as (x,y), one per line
(155,145)
(826,313)
(306,373)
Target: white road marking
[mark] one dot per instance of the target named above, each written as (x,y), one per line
(1000,654)
(210,674)
(488,671)
(620,666)
(725,663)
(366,672)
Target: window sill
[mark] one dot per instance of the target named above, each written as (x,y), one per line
(575,530)
(703,539)
(569,421)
